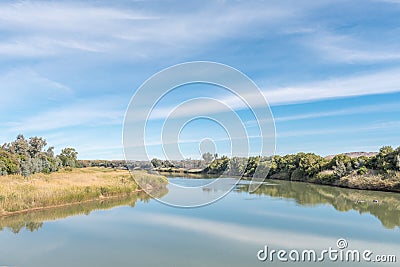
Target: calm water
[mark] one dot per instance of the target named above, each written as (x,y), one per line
(139,231)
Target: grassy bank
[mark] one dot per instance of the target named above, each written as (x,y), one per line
(18,193)
(369,181)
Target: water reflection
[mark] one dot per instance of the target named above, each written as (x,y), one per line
(33,220)
(383,205)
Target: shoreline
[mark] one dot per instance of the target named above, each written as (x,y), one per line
(339,183)
(339,186)
(136,192)
(40,191)
(11,213)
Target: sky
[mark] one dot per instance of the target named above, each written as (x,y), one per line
(330,70)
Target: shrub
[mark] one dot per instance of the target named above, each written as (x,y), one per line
(325,178)
(8,163)
(341,165)
(362,170)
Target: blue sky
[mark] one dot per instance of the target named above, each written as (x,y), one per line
(329,69)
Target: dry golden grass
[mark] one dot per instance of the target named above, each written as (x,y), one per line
(372,181)
(19,193)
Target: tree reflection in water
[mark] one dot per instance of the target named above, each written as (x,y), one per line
(33,220)
(383,205)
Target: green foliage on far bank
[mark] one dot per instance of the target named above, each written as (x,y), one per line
(29,156)
(381,171)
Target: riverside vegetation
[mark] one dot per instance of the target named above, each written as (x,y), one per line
(304,194)
(28,157)
(19,193)
(378,172)
(32,178)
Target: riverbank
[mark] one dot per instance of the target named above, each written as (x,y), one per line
(357,170)
(371,181)
(179,170)
(368,181)
(39,191)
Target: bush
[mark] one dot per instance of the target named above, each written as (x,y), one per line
(297,175)
(341,165)
(68,169)
(28,157)
(362,170)
(8,163)
(325,178)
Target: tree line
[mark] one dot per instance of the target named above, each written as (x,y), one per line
(28,156)
(300,166)
(115,164)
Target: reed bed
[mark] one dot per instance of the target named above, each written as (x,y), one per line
(18,193)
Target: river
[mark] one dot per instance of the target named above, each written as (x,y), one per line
(234,231)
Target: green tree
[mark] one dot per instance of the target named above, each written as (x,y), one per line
(385,160)
(359,162)
(26,166)
(207,157)
(50,152)
(68,157)
(398,162)
(156,163)
(8,163)
(251,166)
(311,164)
(341,165)
(237,166)
(362,170)
(36,145)
(218,165)
(20,146)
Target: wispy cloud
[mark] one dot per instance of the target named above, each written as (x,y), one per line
(382,82)
(380,126)
(51,28)
(389,1)
(54,55)
(24,86)
(350,49)
(390,107)
(80,113)
(377,126)
(47,28)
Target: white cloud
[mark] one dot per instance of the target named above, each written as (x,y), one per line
(349,49)
(47,29)
(340,112)
(387,81)
(382,82)
(50,29)
(389,1)
(372,127)
(43,28)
